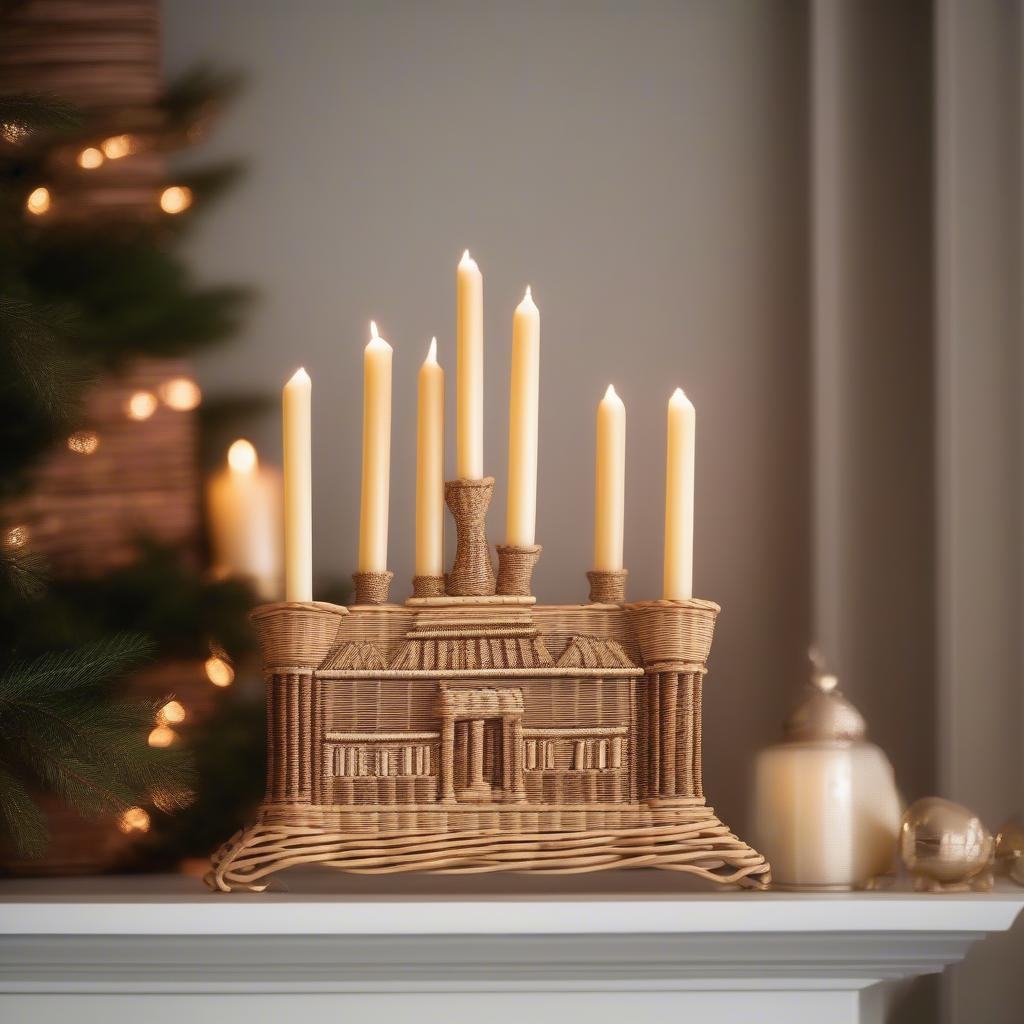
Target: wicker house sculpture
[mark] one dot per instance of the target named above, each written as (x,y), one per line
(471,729)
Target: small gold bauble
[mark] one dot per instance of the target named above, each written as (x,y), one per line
(945,846)
(1010,845)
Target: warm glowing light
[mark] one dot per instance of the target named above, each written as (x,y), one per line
(141,405)
(90,158)
(219,671)
(134,819)
(432,351)
(373,329)
(84,442)
(611,392)
(117,146)
(181,393)
(162,736)
(169,800)
(176,199)
(242,457)
(172,713)
(38,201)
(15,537)
(12,132)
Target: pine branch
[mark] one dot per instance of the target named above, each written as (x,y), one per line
(44,367)
(20,819)
(24,573)
(87,666)
(60,728)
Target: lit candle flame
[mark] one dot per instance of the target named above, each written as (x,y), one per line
(242,457)
(432,351)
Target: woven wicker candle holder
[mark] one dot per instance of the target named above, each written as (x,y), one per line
(515,568)
(487,733)
(428,586)
(607,586)
(372,587)
(472,574)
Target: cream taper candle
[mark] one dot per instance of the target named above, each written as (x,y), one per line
(373,515)
(678,580)
(521,511)
(469,370)
(430,468)
(610,483)
(298,488)
(244,507)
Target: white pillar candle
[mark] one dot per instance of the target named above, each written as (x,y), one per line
(682,420)
(521,512)
(469,370)
(298,489)
(244,513)
(373,516)
(430,467)
(610,483)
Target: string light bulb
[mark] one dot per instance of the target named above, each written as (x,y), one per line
(90,158)
(84,442)
(38,201)
(172,713)
(118,146)
(181,394)
(141,405)
(162,736)
(176,199)
(134,819)
(219,671)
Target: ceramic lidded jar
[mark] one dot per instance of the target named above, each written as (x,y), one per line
(826,807)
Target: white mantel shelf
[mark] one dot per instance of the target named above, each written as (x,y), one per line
(408,948)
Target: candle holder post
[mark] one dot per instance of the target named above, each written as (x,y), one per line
(472,574)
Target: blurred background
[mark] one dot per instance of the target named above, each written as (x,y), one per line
(807,214)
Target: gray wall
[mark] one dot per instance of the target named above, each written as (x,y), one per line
(644,168)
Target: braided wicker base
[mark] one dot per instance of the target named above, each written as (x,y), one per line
(428,586)
(702,846)
(515,568)
(372,587)
(607,586)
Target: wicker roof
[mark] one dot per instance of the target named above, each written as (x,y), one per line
(359,655)
(454,653)
(594,652)
(497,640)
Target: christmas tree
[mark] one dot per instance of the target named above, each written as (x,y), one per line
(100,565)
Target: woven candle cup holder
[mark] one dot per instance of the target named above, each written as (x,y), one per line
(607,586)
(515,568)
(372,587)
(472,574)
(428,586)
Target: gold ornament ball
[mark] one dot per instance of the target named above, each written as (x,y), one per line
(944,845)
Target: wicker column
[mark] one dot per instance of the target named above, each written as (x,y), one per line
(446,768)
(518,778)
(294,638)
(675,639)
(476,787)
